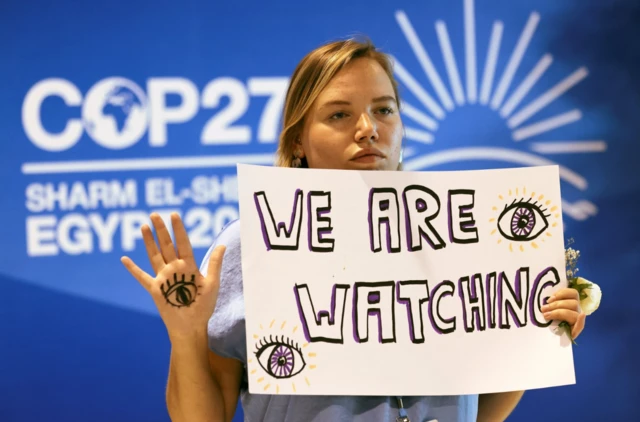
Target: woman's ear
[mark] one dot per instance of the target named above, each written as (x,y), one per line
(298,150)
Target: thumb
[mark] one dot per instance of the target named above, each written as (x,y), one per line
(143,278)
(215,264)
(579,325)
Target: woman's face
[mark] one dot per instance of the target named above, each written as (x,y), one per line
(354,123)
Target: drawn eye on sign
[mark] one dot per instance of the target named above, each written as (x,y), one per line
(523,217)
(281,360)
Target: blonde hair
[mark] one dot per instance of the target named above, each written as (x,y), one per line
(312,75)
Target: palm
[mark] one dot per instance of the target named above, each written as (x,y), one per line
(183,296)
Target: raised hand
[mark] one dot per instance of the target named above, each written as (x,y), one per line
(184,297)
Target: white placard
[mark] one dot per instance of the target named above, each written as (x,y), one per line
(401,283)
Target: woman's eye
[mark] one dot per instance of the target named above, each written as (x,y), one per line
(338,115)
(386,110)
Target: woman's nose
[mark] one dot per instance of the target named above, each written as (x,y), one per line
(366,130)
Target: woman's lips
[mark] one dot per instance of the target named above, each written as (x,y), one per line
(367,155)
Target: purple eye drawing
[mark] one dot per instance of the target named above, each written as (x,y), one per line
(280,358)
(522,221)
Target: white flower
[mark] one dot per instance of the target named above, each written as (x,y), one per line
(590,303)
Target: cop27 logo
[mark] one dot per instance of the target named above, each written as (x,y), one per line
(495,88)
(116,113)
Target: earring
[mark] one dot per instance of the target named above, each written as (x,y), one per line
(297,162)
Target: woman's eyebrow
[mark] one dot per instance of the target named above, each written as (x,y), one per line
(384,98)
(344,102)
(335,102)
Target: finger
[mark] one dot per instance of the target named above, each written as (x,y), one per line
(570,304)
(145,279)
(164,239)
(562,315)
(182,239)
(155,258)
(215,263)
(566,293)
(579,326)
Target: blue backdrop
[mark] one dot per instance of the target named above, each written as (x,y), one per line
(111,110)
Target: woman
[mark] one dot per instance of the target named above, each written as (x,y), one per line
(341,112)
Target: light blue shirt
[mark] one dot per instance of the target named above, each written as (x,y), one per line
(227,338)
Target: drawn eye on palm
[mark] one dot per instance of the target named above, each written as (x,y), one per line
(182,291)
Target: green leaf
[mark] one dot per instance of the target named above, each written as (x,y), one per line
(566,328)
(584,286)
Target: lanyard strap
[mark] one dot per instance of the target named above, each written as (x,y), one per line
(404,417)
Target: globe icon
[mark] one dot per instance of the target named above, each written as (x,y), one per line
(115,113)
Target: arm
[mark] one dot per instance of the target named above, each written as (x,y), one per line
(497,406)
(202,386)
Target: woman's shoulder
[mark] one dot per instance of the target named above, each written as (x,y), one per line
(230,232)
(229,236)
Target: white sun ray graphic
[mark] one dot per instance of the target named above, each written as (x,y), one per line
(494,88)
